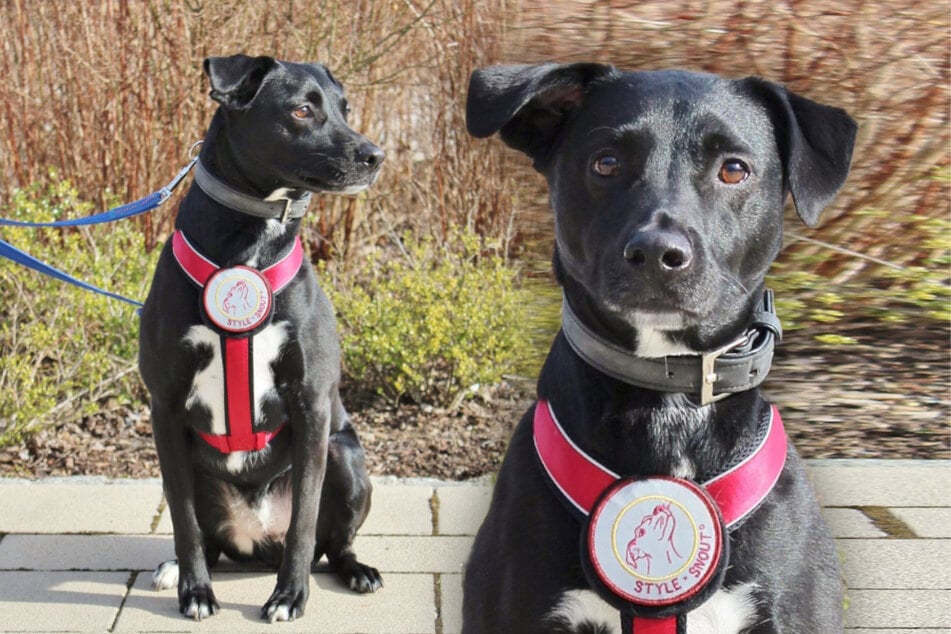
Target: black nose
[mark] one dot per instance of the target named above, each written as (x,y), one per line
(665,251)
(370,155)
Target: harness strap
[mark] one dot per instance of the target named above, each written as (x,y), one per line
(582,479)
(237,352)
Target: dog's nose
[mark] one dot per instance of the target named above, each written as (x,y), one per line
(370,155)
(666,251)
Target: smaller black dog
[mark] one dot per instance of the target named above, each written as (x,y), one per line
(239,350)
(668,191)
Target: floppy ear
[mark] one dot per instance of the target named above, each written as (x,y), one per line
(815,144)
(236,80)
(527,103)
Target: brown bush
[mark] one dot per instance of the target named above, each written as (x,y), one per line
(111,94)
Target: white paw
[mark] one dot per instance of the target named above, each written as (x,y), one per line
(165,576)
(281,613)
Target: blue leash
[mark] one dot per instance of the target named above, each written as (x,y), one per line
(140,206)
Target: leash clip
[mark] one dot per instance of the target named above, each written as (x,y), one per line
(166,192)
(709,374)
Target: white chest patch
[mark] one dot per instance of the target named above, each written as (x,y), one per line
(726,612)
(208,385)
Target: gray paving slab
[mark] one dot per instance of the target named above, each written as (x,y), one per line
(462,508)
(934,522)
(78,506)
(442,554)
(451,603)
(60,601)
(84,552)
(888,609)
(896,563)
(399,509)
(405,605)
(892,483)
(850,523)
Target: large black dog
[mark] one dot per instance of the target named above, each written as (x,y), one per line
(668,191)
(238,344)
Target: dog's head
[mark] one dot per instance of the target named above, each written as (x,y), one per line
(283,126)
(668,187)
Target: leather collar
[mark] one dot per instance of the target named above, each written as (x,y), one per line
(282,209)
(736,367)
(582,479)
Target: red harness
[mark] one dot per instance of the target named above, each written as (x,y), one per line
(589,487)
(236,343)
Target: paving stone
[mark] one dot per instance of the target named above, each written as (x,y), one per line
(891,610)
(850,523)
(91,506)
(451,608)
(896,563)
(60,601)
(399,509)
(84,552)
(462,508)
(926,522)
(414,554)
(898,483)
(405,605)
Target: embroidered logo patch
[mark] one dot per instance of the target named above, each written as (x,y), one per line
(238,299)
(655,542)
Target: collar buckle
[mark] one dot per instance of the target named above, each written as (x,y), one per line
(708,372)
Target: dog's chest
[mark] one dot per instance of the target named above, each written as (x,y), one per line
(207,392)
(728,611)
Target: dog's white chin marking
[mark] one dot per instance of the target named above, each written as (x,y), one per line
(165,576)
(726,612)
(208,385)
(652,339)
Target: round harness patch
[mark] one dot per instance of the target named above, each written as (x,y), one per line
(656,542)
(238,299)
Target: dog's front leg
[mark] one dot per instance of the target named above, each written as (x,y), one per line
(195,597)
(310,428)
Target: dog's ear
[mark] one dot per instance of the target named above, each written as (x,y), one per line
(527,104)
(815,144)
(236,80)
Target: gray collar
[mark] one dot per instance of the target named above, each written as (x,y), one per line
(736,367)
(282,209)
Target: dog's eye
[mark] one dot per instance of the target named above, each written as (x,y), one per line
(733,172)
(302,112)
(606,165)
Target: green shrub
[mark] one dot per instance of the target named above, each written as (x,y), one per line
(431,322)
(62,348)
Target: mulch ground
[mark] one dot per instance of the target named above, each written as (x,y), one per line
(885,397)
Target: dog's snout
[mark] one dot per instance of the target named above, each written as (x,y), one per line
(370,155)
(665,251)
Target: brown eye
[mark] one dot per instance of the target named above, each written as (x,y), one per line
(302,112)
(733,172)
(606,165)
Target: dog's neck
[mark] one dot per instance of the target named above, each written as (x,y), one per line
(737,366)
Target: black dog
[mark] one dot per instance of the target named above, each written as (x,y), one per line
(239,350)
(668,192)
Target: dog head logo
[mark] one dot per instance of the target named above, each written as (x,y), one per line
(237,298)
(654,539)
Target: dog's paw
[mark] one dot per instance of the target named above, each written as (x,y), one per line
(166,575)
(361,578)
(198,603)
(284,605)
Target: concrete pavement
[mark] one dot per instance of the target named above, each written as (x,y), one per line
(76,555)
